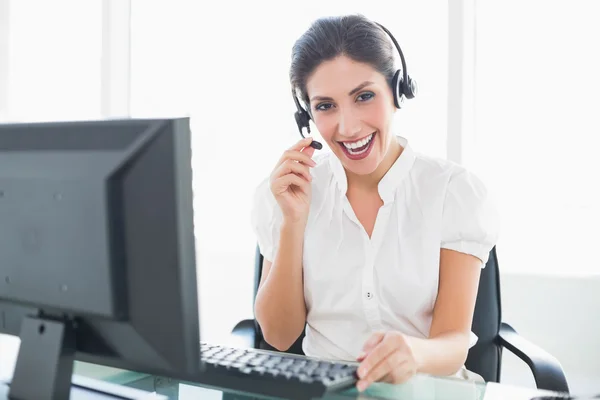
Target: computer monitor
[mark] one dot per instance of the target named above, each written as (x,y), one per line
(97,258)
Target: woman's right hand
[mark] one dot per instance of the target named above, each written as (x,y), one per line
(291,181)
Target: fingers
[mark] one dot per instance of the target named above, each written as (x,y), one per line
(294,166)
(387,368)
(282,184)
(301,143)
(309,151)
(376,356)
(398,375)
(300,152)
(291,167)
(295,155)
(370,344)
(389,378)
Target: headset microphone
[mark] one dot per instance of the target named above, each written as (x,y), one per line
(303,121)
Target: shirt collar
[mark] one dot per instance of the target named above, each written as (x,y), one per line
(390,181)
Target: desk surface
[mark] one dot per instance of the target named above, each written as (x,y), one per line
(421,387)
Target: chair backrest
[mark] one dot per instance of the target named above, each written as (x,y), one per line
(485,357)
(296,348)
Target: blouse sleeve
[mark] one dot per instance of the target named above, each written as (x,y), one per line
(470,219)
(266,220)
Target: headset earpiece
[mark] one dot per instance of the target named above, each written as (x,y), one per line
(398,93)
(411,89)
(404,86)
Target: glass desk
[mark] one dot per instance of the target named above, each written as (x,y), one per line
(422,387)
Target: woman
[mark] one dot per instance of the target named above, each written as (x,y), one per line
(374,249)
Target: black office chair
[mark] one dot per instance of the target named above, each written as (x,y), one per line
(484,358)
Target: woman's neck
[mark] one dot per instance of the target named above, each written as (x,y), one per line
(371,181)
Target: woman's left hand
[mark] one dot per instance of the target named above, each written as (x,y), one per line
(387,357)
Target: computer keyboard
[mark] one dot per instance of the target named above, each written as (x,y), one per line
(274,374)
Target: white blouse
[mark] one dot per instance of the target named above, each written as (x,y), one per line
(355,285)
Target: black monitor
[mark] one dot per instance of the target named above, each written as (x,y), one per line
(97,259)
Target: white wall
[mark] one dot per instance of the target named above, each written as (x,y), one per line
(4,27)
(561,315)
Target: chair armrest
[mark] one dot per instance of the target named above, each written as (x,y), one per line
(547,371)
(244,335)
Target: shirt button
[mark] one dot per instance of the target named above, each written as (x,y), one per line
(369,295)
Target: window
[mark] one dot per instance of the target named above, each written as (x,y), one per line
(228,70)
(537,130)
(49,70)
(54,51)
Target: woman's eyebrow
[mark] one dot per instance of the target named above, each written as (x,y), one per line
(359,87)
(352,92)
(321,98)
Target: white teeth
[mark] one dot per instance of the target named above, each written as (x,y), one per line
(357,152)
(359,143)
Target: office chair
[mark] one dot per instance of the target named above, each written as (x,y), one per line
(484,358)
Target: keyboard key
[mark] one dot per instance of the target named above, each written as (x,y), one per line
(254,371)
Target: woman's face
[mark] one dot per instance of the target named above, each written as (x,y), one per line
(352,106)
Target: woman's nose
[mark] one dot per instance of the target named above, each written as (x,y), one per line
(348,124)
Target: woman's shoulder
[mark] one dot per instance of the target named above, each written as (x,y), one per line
(442,171)
(428,164)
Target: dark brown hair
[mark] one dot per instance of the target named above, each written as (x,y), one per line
(354,36)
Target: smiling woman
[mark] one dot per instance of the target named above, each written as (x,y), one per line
(374,249)
(235,86)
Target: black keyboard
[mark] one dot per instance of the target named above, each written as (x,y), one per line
(274,374)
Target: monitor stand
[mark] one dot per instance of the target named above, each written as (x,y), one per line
(44,367)
(45,362)
(92,389)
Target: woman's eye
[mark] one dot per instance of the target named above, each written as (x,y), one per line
(324,106)
(366,96)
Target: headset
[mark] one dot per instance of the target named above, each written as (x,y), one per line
(403,86)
